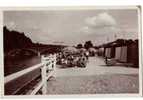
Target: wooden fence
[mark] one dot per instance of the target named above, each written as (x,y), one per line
(47,66)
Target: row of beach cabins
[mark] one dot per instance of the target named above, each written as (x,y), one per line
(121,51)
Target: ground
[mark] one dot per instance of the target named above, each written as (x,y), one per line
(94,84)
(95,78)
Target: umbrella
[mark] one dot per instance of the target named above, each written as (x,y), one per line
(82,50)
(70,50)
(92,50)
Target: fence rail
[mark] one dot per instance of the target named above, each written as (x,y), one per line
(47,66)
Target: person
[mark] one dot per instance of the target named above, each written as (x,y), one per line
(82,61)
(87,54)
(106,59)
(76,59)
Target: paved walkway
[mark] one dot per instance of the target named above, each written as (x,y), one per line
(95,66)
(96,78)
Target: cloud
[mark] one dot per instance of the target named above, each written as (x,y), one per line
(101,20)
(100,27)
(86,30)
(102,24)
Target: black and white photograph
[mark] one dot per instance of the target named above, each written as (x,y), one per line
(71,51)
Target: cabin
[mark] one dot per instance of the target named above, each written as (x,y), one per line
(123,51)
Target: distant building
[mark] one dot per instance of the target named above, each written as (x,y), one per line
(123,51)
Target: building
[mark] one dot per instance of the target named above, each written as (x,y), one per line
(123,51)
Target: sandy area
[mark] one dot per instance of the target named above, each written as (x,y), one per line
(94,84)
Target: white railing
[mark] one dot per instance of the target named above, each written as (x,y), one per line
(47,65)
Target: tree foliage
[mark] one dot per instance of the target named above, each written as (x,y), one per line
(15,40)
(79,46)
(88,44)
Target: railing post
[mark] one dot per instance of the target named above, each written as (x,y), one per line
(38,54)
(54,58)
(49,67)
(43,75)
(54,64)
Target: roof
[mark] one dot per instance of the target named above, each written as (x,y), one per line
(119,42)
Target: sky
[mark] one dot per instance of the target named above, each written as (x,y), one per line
(70,27)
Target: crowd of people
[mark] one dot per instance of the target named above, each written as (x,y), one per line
(67,59)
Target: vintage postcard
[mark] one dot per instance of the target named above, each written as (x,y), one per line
(71,51)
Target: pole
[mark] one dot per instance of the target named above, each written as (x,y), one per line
(43,74)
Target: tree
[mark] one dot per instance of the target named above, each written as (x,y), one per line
(14,40)
(79,46)
(88,44)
